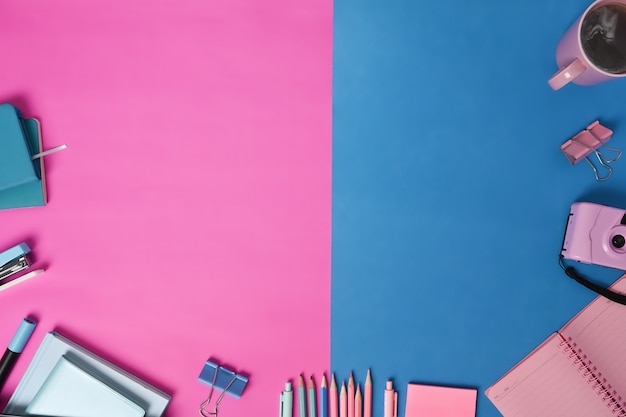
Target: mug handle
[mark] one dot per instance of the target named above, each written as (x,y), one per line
(567,74)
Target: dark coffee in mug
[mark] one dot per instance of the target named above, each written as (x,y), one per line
(603,37)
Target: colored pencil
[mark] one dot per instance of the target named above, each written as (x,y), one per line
(333,400)
(351,396)
(312,400)
(323,397)
(367,397)
(301,397)
(343,401)
(358,403)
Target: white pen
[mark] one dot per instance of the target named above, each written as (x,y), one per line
(391,401)
(286,401)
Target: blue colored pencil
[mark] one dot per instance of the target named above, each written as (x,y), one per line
(324,397)
(301,397)
(312,401)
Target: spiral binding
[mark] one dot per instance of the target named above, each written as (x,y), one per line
(594,378)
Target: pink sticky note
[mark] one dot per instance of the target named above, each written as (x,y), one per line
(438,401)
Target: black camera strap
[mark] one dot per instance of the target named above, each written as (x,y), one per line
(605,292)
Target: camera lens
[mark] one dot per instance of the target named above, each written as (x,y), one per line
(618,241)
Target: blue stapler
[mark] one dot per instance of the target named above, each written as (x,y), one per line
(14,260)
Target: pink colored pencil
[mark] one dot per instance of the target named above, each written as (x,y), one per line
(351,396)
(343,401)
(358,403)
(333,400)
(367,397)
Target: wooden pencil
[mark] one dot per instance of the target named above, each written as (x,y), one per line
(351,396)
(358,403)
(323,397)
(333,398)
(343,401)
(367,396)
(312,399)
(301,397)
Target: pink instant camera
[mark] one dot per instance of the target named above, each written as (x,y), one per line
(596,234)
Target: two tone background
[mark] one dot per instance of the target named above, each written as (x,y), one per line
(301,187)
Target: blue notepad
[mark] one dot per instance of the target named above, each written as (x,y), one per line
(16,167)
(31,194)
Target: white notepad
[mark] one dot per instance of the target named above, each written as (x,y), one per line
(69,391)
(54,347)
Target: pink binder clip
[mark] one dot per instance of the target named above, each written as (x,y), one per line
(588,141)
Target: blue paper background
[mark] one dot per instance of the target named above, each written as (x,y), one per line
(450,193)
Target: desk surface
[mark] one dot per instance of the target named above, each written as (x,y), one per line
(190,215)
(450,193)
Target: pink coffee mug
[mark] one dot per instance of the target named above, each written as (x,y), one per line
(593,49)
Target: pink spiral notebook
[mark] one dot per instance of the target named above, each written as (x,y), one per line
(578,371)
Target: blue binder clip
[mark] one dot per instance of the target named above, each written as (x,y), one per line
(220,378)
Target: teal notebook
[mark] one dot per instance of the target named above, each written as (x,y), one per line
(33,193)
(16,167)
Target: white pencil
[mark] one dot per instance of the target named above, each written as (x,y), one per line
(23,278)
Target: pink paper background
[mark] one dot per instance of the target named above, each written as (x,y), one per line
(190,215)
